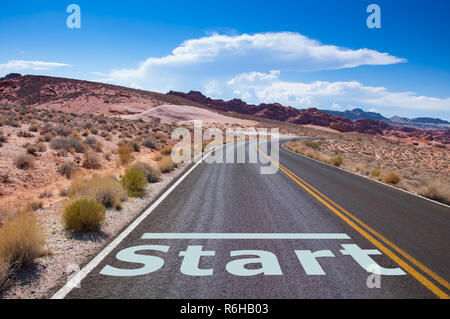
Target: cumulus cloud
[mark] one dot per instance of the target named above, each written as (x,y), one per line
(268,87)
(19,65)
(245,52)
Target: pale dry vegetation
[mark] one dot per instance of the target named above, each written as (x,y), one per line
(418,168)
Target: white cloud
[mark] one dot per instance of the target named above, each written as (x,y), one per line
(255,86)
(19,65)
(241,53)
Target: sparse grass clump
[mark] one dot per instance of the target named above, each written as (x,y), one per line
(24,161)
(149,143)
(21,241)
(375,173)
(134,181)
(66,169)
(392,179)
(106,190)
(311,144)
(436,190)
(92,160)
(153,174)
(166,164)
(84,215)
(167,150)
(67,144)
(337,161)
(124,152)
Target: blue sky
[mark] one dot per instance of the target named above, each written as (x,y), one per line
(299,53)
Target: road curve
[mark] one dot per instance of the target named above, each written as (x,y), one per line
(411,235)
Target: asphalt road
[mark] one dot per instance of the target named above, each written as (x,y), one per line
(412,235)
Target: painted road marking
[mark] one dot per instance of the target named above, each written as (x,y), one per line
(244,236)
(327,203)
(424,268)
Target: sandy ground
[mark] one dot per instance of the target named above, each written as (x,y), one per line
(185,113)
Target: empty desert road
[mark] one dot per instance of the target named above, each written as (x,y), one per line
(310,229)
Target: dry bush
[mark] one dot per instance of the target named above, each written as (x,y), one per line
(84,215)
(153,174)
(66,169)
(92,160)
(392,178)
(375,173)
(149,143)
(157,157)
(311,144)
(67,144)
(21,241)
(337,161)
(436,190)
(167,150)
(24,161)
(105,190)
(124,152)
(166,164)
(134,181)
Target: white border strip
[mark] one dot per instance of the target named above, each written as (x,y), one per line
(78,277)
(245,236)
(368,178)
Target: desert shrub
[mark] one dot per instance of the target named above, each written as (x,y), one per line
(167,150)
(91,160)
(157,157)
(21,241)
(24,134)
(392,178)
(84,215)
(106,190)
(24,161)
(134,181)
(337,161)
(124,152)
(66,169)
(149,143)
(153,174)
(90,140)
(33,127)
(68,144)
(313,145)
(375,173)
(436,190)
(134,144)
(32,150)
(166,164)
(3,138)
(41,147)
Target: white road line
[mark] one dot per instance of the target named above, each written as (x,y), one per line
(245,236)
(77,278)
(368,178)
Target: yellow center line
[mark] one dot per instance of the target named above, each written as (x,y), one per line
(328,203)
(424,268)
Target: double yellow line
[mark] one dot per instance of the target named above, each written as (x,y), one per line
(370,234)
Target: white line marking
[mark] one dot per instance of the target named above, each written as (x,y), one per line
(76,279)
(368,178)
(245,236)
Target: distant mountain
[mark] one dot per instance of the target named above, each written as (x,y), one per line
(426,123)
(357,114)
(276,111)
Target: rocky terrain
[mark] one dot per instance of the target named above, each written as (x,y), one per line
(79,97)
(314,116)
